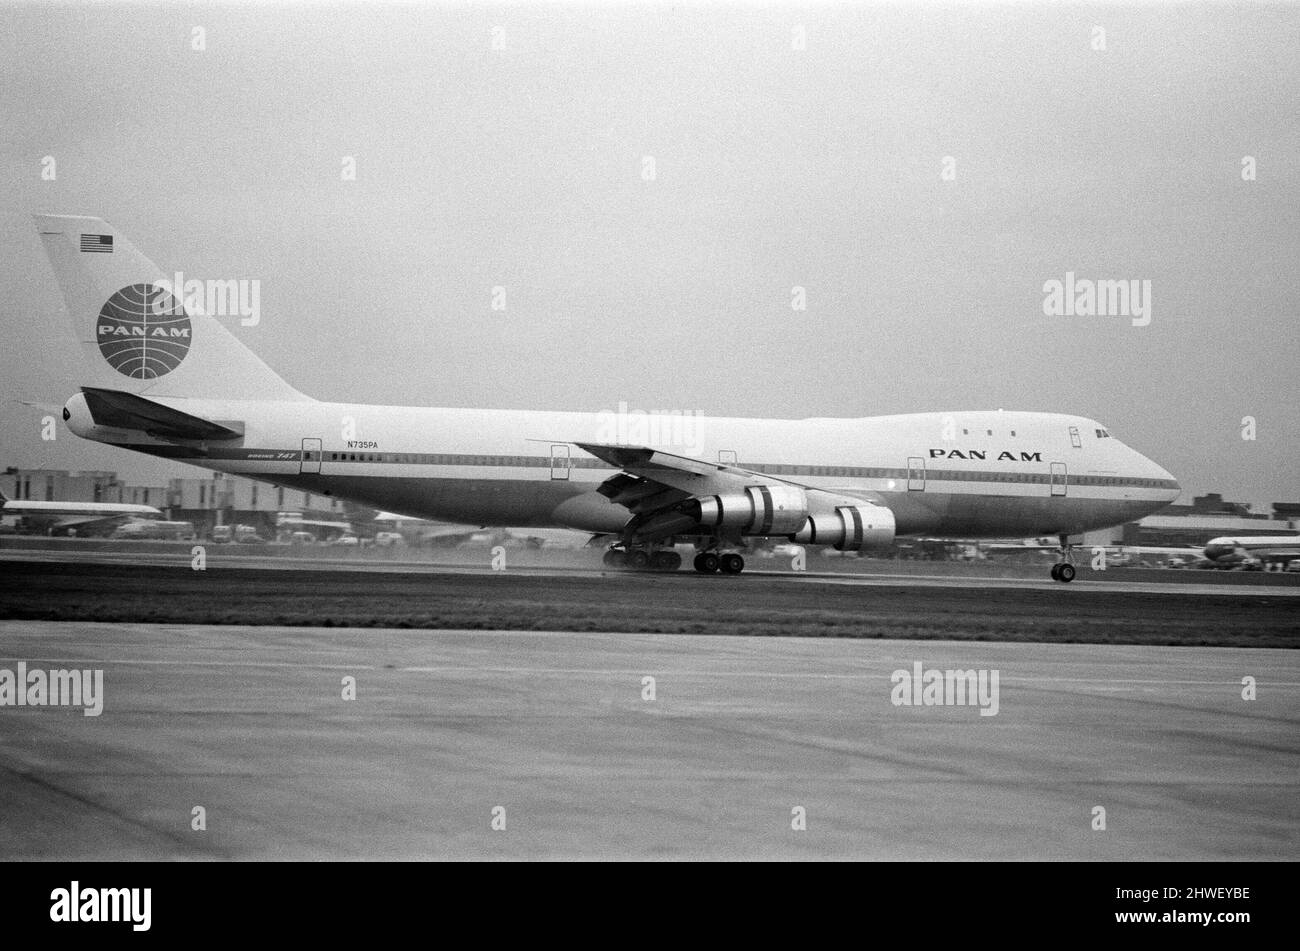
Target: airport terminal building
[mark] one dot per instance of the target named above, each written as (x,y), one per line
(205,502)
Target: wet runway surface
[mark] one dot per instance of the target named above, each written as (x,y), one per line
(553,728)
(586,564)
(961,607)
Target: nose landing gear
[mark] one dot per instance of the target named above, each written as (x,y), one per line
(1063,570)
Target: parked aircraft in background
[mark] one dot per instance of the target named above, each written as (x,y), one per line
(1260,550)
(44,518)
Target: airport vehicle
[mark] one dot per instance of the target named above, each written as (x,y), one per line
(388,539)
(82,518)
(247,535)
(156,530)
(222,533)
(164,378)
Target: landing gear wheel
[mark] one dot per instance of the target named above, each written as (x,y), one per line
(707,562)
(615,558)
(1063,570)
(732,564)
(666,560)
(640,558)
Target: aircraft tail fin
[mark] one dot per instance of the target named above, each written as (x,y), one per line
(136,332)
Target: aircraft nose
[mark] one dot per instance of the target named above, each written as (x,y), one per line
(1171,488)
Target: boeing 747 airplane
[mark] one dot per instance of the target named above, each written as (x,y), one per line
(164,378)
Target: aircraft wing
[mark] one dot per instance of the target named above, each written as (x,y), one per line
(661,489)
(656,486)
(76,509)
(691,476)
(85,521)
(128,411)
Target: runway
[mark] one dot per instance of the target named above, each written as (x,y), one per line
(960,607)
(586,564)
(249,723)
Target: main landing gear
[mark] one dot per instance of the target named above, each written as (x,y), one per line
(665,559)
(643,559)
(1063,570)
(710,562)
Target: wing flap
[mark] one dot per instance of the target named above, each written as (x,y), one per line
(691,476)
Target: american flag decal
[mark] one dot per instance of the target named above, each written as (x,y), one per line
(97,242)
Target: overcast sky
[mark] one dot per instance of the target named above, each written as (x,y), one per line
(774,167)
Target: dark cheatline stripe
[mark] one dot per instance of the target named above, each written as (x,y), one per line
(544,462)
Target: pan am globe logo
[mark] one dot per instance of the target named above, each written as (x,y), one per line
(143,332)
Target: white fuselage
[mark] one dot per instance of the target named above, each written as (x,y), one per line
(962,474)
(1255,549)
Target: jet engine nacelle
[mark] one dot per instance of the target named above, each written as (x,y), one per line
(786,510)
(759,510)
(849,527)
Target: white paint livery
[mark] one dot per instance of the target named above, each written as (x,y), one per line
(849,483)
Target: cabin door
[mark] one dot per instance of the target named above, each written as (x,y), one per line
(1060,479)
(915,474)
(309,461)
(559,462)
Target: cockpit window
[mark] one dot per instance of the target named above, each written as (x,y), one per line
(1102,434)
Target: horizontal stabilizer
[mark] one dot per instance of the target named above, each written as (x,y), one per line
(120,410)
